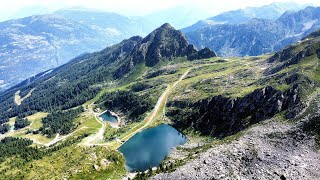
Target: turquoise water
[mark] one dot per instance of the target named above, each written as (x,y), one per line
(107,116)
(150,146)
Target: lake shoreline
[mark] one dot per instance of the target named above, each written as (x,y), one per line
(150,146)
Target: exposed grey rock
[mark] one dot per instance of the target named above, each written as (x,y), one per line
(222,116)
(96,167)
(202,54)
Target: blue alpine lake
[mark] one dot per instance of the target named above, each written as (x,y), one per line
(150,146)
(107,116)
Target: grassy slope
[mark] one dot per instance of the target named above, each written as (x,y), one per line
(71,162)
(220,78)
(36,123)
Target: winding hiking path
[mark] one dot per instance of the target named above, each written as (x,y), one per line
(157,109)
(99,134)
(58,138)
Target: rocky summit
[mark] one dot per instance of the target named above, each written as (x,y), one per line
(164,43)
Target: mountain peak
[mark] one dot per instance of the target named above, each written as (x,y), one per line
(166,26)
(164,31)
(163,43)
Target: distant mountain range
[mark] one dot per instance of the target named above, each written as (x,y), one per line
(272,12)
(114,27)
(33,44)
(257,36)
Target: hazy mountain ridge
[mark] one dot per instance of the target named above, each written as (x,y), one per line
(272,12)
(111,25)
(37,43)
(258,36)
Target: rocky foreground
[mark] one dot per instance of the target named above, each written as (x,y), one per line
(274,149)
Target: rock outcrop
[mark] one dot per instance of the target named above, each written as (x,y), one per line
(285,58)
(221,116)
(202,54)
(164,43)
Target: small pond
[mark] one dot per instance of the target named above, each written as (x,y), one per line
(150,146)
(107,116)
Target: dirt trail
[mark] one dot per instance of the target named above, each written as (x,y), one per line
(99,135)
(58,138)
(161,101)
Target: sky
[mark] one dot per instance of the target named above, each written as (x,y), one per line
(15,8)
